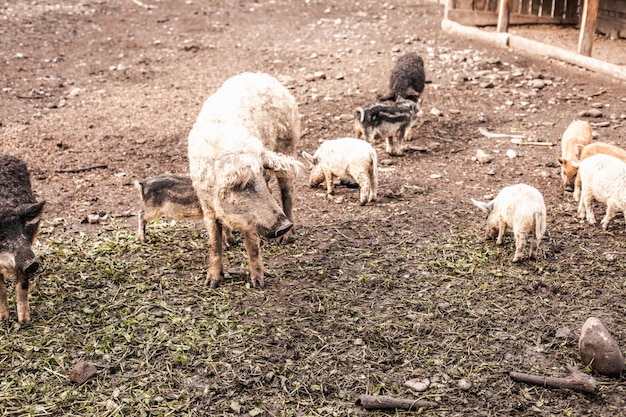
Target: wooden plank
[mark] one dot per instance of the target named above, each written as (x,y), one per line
(613,5)
(559,8)
(571,9)
(546,8)
(588,27)
(504,13)
(477,18)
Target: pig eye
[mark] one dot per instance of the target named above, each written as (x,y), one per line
(246,187)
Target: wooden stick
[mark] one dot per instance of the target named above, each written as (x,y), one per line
(577,380)
(381,402)
(521,142)
(75,170)
(493,135)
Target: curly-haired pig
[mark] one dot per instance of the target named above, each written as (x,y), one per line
(577,135)
(19,224)
(520,208)
(602,178)
(345,157)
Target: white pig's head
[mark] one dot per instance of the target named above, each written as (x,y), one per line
(242,199)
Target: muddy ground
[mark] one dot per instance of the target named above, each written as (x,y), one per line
(98,94)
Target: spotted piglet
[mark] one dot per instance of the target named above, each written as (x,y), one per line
(19,224)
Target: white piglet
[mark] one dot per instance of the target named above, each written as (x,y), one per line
(603,178)
(520,208)
(345,157)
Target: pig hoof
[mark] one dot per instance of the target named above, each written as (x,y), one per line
(211,283)
(258,284)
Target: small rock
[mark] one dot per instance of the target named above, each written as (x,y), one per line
(435,176)
(488,84)
(537,83)
(609,257)
(82,372)
(419,385)
(464,385)
(319,75)
(93,218)
(385,162)
(563,333)
(511,153)
(436,112)
(598,349)
(590,113)
(287,81)
(74,91)
(483,157)
(444,305)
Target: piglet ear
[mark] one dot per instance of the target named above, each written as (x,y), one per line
(31,212)
(486,207)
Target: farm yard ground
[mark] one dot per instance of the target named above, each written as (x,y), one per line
(99,93)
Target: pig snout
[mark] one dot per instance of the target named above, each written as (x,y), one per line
(31,266)
(282,226)
(26,261)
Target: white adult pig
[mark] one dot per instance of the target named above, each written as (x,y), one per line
(247,129)
(345,157)
(603,178)
(520,208)
(577,134)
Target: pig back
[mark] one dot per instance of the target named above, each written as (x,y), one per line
(15,186)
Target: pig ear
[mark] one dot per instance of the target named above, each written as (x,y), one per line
(561,160)
(277,162)
(578,149)
(309,158)
(486,207)
(31,212)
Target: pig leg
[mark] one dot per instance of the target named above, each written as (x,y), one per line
(252,243)
(141,227)
(21,297)
(4,306)
(611,212)
(215,274)
(534,245)
(329,178)
(366,189)
(285,184)
(585,206)
(587,200)
(501,232)
(520,245)
(577,188)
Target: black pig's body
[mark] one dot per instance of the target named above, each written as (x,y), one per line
(19,224)
(407,78)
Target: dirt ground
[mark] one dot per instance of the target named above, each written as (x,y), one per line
(99,93)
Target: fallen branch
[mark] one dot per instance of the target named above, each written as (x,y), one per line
(577,380)
(75,170)
(494,135)
(521,142)
(381,402)
(585,97)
